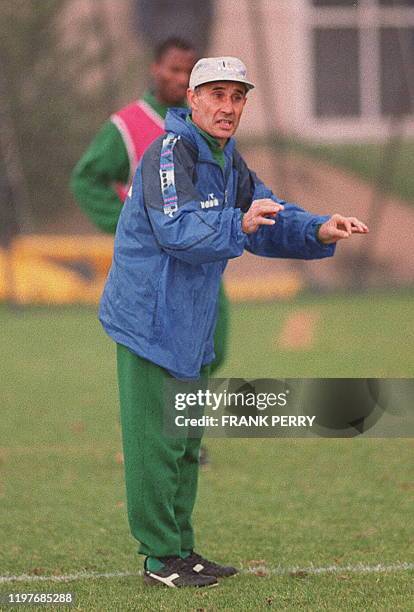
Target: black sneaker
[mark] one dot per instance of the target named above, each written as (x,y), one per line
(177,573)
(204,567)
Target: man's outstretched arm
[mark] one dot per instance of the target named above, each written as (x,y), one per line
(276,228)
(285,230)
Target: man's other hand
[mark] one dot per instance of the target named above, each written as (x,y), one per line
(339,227)
(261,212)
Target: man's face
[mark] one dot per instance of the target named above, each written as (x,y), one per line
(217,107)
(171,75)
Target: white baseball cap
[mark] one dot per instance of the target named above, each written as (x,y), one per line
(210,69)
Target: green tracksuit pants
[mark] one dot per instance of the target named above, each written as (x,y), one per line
(161,472)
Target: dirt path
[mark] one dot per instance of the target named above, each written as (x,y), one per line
(299,330)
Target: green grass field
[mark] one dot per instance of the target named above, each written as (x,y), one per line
(278,503)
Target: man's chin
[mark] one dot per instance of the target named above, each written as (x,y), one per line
(221,133)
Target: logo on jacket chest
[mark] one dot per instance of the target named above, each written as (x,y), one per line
(210,202)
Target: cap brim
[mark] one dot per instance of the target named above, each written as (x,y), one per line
(214,79)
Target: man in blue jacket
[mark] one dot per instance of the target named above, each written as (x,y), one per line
(193,205)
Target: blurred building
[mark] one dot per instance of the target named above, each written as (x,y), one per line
(337,69)
(325,69)
(161,19)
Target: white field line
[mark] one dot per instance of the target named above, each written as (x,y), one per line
(261,570)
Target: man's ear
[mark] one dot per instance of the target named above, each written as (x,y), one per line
(192,99)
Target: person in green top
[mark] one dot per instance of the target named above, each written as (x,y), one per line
(107,161)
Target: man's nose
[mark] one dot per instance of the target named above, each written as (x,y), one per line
(227,106)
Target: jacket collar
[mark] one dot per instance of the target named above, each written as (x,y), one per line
(175,121)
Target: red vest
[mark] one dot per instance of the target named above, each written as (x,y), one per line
(139,125)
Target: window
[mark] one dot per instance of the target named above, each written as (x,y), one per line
(397,70)
(362,57)
(336,60)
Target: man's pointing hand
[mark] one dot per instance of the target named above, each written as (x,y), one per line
(339,227)
(261,212)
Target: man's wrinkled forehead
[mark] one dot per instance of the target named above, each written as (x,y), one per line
(226,86)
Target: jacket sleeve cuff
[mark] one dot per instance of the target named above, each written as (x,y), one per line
(241,236)
(326,250)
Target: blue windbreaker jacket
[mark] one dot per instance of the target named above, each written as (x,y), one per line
(179,226)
